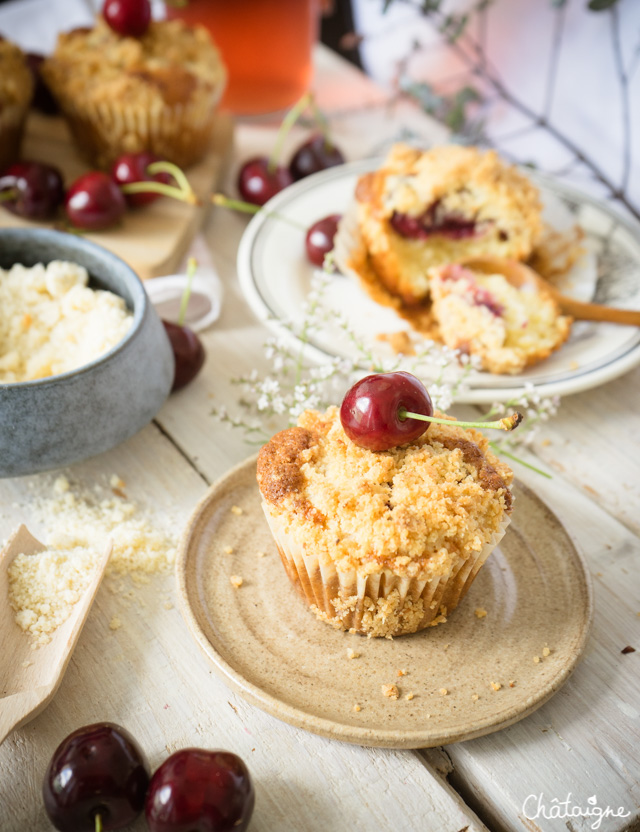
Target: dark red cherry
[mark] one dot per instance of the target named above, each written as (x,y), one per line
(37,189)
(96,770)
(130,18)
(314,155)
(42,99)
(188,353)
(94,201)
(257,183)
(200,791)
(132,167)
(319,239)
(370,410)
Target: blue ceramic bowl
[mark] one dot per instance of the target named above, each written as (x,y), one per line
(59,420)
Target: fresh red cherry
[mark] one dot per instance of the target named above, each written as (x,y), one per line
(132,167)
(188,353)
(130,18)
(200,791)
(31,190)
(96,770)
(319,239)
(370,412)
(316,154)
(257,183)
(42,99)
(94,201)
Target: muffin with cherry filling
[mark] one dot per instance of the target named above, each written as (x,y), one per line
(382,542)
(444,205)
(483,315)
(16,90)
(121,94)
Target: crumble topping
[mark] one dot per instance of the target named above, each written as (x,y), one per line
(390,691)
(415,509)
(52,322)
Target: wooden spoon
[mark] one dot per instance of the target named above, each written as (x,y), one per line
(519,274)
(29,678)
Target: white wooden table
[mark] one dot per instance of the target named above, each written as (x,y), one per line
(150,676)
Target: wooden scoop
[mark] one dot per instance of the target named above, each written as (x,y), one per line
(29,678)
(519,275)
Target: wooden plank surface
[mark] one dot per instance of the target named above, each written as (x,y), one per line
(153,239)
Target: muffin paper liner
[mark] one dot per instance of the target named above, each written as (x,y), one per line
(380,604)
(12,119)
(103,132)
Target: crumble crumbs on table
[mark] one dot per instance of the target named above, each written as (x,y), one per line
(480,612)
(628,649)
(236,581)
(545,443)
(261,554)
(496,685)
(512,683)
(357,708)
(443,692)
(409,696)
(402,673)
(115,623)
(236,510)
(475,697)
(352,654)
(228,550)
(390,691)
(546,652)
(536,659)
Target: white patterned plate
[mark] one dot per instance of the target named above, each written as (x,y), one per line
(276,277)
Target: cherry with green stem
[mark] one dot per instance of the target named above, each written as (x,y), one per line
(188,350)
(384,410)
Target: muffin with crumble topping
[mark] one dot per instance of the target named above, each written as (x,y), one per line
(16,90)
(119,94)
(423,209)
(382,543)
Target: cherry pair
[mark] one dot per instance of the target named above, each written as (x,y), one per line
(99,779)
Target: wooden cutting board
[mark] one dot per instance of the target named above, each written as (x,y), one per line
(153,239)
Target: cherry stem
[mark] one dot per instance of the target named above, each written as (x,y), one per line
(178,174)
(287,123)
(249,208)
(507,423)
(322,123)
(515,458)
(184,192)
(8,195)
(192,265)
(98,820)
(159,188)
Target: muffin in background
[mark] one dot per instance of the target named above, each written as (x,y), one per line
(382,543)
(121,94)
(423,209)
(16,90)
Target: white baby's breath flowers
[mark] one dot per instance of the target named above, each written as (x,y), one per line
(271,402)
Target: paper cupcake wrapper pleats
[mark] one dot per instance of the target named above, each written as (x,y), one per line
(181,134)
(12,119)
(380,604)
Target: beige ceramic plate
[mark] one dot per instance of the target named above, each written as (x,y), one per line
(266,644)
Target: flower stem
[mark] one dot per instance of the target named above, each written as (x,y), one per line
(160,188)
(98,820)
(507,423)
(515,458)
(287,123)
(322,124)
(249,208)
(192,265)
